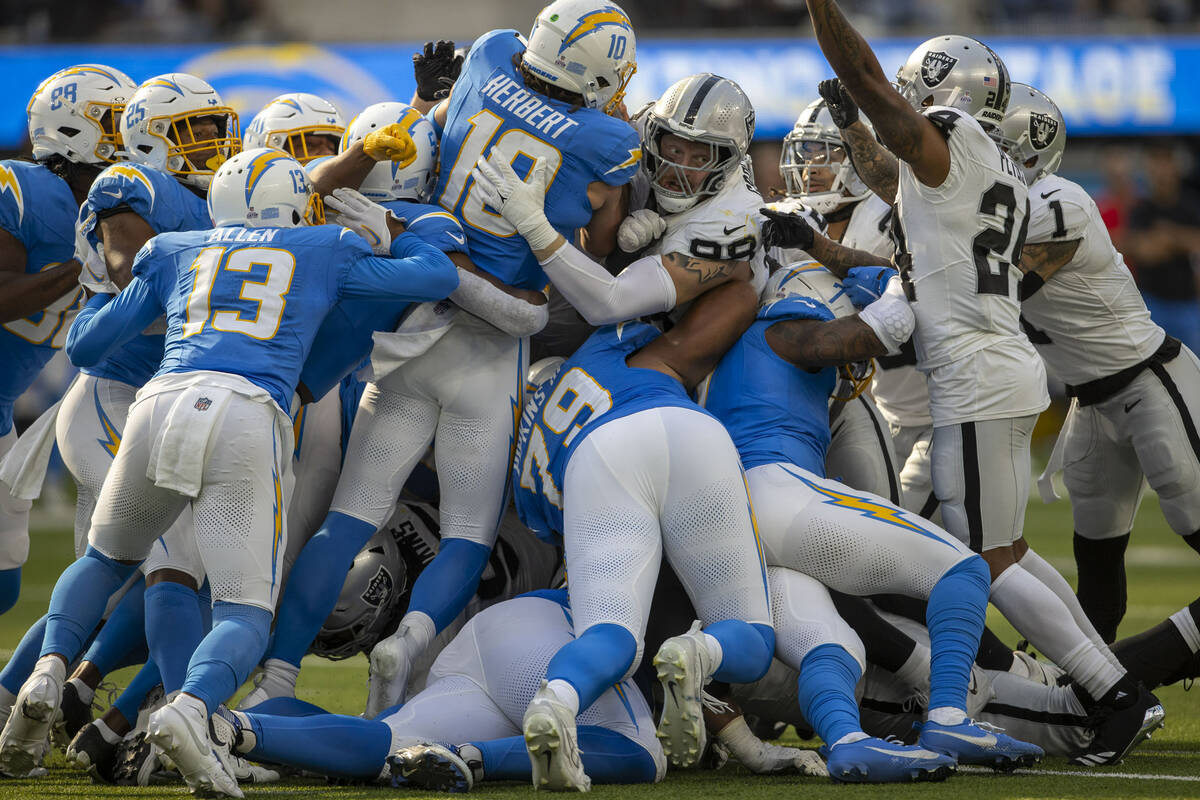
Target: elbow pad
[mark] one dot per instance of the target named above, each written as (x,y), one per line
(510,314)
(890,317)
(644,287)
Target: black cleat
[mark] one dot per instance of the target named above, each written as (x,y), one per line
(430,766)
(74,713)
(90,751)
(137,763)
(1117,731)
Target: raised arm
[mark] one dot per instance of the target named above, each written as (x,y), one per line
(909,135)
(350,168)
(875,165)
(793,231)
(123,233)
(435,68)
(1040,261)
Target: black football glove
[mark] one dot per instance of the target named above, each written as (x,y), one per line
(436,68)
(841,105)
(786,230)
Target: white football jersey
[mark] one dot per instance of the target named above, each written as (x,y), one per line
(956,246)
(870,227)
(1089,320)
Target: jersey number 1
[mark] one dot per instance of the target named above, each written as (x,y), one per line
(268,293)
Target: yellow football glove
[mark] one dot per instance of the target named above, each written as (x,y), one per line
(390,143)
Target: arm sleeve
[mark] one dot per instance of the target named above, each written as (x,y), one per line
(416,271)
(510,314)
(105,323)
(644,287)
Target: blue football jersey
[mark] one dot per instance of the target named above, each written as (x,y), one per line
(248,301)
(344,339)
(166,205)
(593,387)
(774,411)
(38,209)
(490,107)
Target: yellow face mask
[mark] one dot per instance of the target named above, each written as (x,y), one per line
(314,212)
(197,146)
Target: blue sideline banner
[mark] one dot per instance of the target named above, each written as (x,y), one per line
(1113,86)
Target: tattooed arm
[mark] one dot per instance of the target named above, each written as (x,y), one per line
(908,134)
(838,259)
(1040,261)
(817,343)
(694,276)
(878,168)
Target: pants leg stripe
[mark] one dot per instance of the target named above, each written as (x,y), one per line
(893,486)
(973,501)
(931,504)
(1189,425)
(1035,715)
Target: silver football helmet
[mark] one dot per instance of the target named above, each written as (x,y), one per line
(960,72)
(1033,132)
(815,164)
(703,108)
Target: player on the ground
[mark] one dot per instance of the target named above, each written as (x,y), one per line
(73,126)
(960,224)
(303,125)
(614,455)
(1135,390)
(236,344)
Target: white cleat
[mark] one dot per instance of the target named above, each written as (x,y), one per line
(23,742)
(549,728)
(391,665)
(683,667)
(183,737)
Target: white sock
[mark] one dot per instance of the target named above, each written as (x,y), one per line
(850,738)
(566,694)
(1042,618)
(1040,568)
(715,654)
(192,705)
(914,672)
(281,674)
(947,715)
(1186,624)
(85,692)
(107,733)
(421,630)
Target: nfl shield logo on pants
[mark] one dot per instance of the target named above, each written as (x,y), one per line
(203,403)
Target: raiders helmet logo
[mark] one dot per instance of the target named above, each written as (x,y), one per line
(1042,130)
(379,588)
(936,67)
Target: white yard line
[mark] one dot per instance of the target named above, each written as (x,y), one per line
(1120,775)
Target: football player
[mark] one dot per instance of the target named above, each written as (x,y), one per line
(235,347)
(550,101)
(960,223)
(1135,389)
(303,125)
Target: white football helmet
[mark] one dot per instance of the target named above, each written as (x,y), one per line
(158,127)
(1033,132)
(76,114)
(702,108)
(287,121)
(960,72)
(812,150)
(387,180)
(263,188)
(586,47)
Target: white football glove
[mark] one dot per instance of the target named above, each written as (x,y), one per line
(363,216)
(94,275)
(640,229)
(522,203)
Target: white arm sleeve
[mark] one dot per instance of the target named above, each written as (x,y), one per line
(510,314)
(644,287)
(890,317)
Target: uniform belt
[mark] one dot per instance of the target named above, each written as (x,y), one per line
(1101,389)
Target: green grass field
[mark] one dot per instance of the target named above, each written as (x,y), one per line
(1164,575)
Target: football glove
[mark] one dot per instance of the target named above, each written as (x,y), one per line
(841,105)
(522,203)
(782,229)
(365,217)
(640,229)
(436,68)
(865,285)
(94,273)
(390,143)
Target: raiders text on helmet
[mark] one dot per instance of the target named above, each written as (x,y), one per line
(960,72)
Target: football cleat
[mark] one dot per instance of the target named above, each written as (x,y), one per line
(683,667)
(90,751)
(391,664)
(430,766)
(1120,730)
(138,763)
(549,729)
(73,713)
(979,743)
(23,741)
(882,761)
(184,738)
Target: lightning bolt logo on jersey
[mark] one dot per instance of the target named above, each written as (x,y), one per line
(38,210)
(491,107)
(593,387)
(166,205)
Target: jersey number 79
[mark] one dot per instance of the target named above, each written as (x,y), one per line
(563,415)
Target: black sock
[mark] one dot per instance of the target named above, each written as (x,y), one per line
(887,646)
(1193,541)
(1153,655)
(1101,592)
(993,653)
